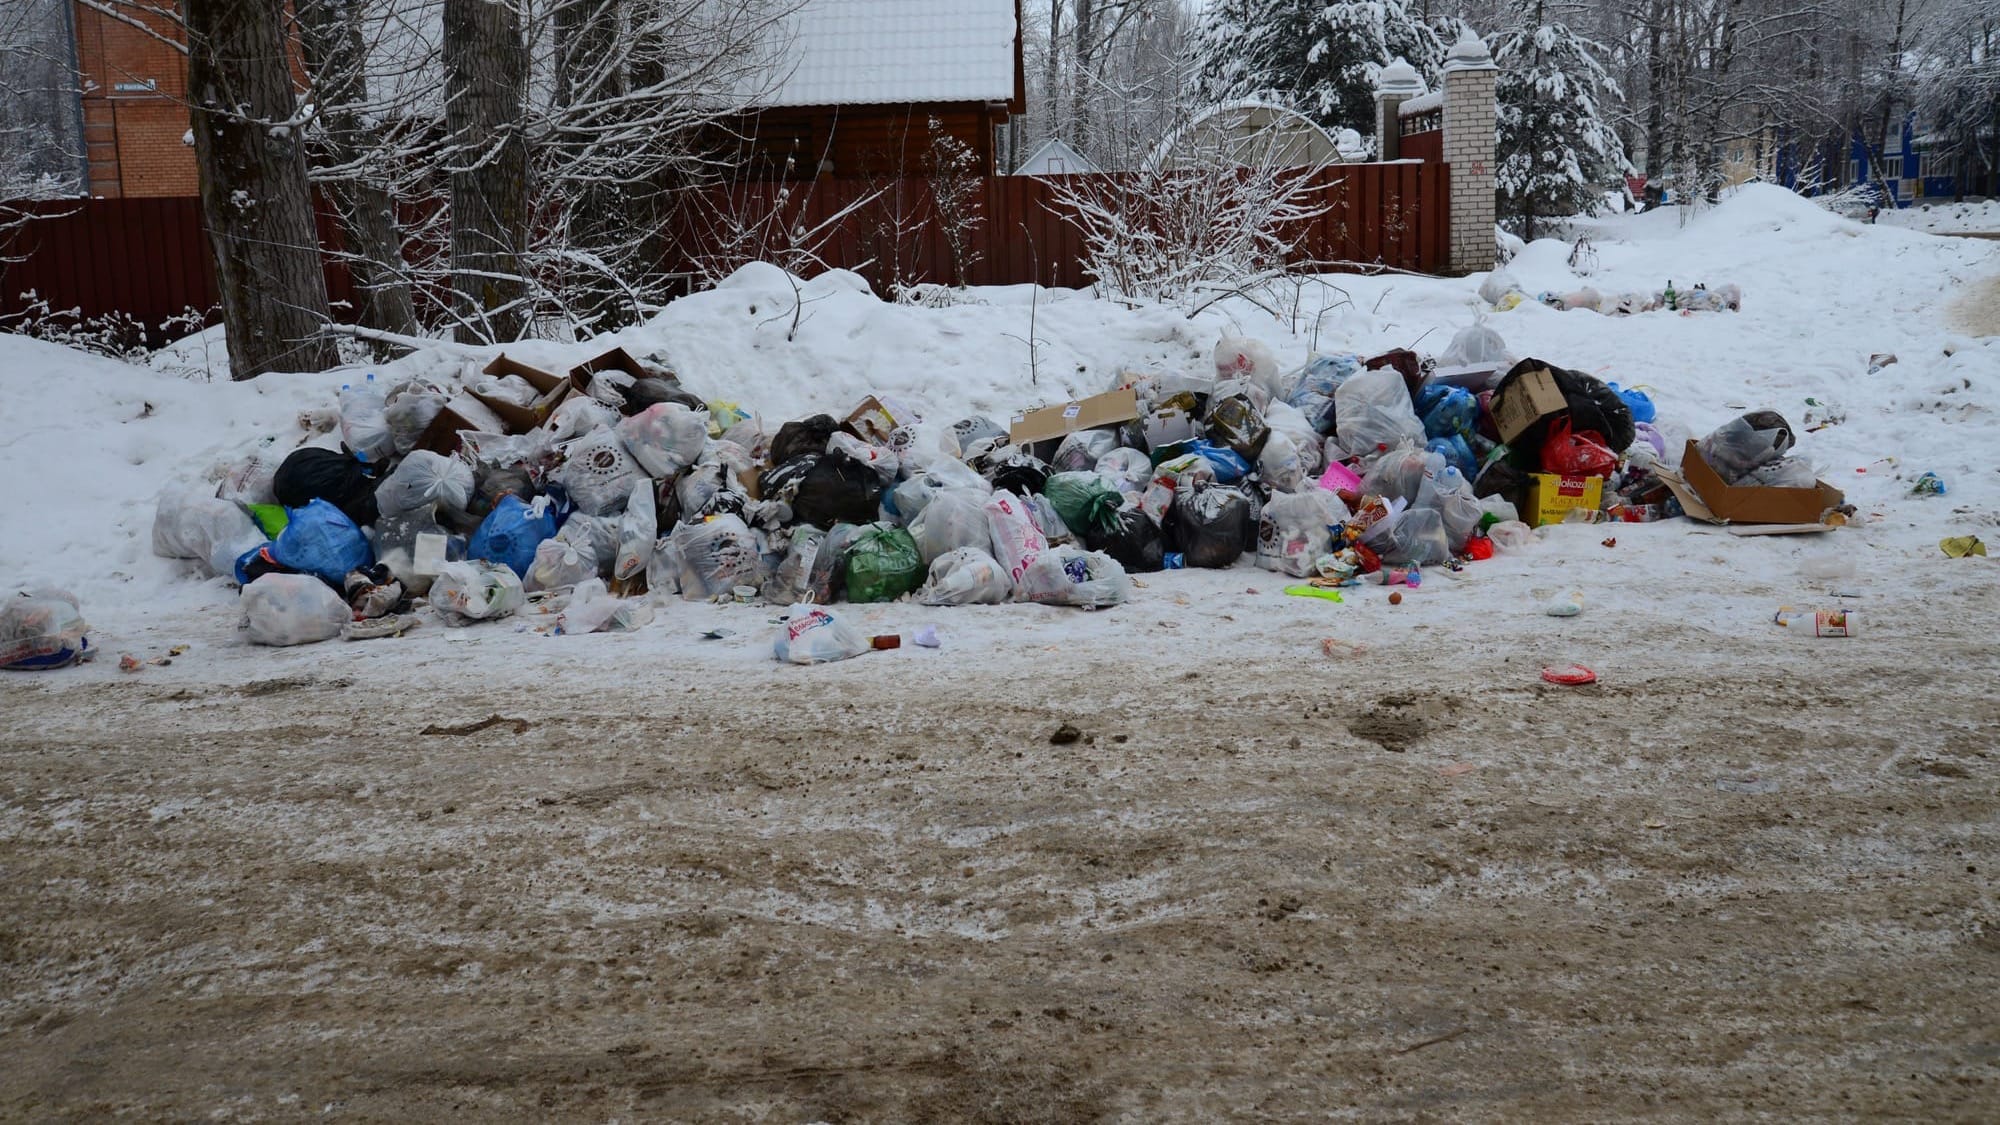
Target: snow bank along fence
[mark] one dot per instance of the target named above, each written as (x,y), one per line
(149,258)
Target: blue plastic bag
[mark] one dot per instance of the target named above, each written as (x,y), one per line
(1457,453)
(1447,411)
(1230,466)
(1639,402)
(512,531)
(1320,378)
(321,541)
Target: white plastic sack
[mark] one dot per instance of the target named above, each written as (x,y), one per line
(664,438)
(1280,465)
(1289,420)
(1475,343)
(1373,414)
(592,609)
(789,582)
(813,635)
(474,590)
(663,574)
(1129,469)
(716,556)
(954,518)
(425,478)
(965,576)
(1497,285)
(410,411)
(293,609)
(1069,576)
(1079,451)
(364,422)
(1292,530)
(44,626)
(577,415)
(594,537)
(879,458)
(1400,473)
(253,478)
(558,564)
(636,533)
(1451,494)
(1785,472)
(215,533)
(1016,540)
(598,473)
(1414,535)
(1239,357)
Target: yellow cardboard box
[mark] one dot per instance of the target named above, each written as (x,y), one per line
(1550,497)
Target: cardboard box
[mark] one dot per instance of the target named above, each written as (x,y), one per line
(617,359)
(877,418)
(464,412)
(551,389)
(1551,497)
(1525,401)
(1703,496)
(1107,409)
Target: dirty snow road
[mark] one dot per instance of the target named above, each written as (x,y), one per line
(695,885)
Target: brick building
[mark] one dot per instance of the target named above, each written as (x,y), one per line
(134,93)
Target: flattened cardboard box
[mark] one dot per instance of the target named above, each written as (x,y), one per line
(1704,496)
(551,389)
(1525,401)
(464,412)
(1107,409)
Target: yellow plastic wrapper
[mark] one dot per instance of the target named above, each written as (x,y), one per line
(1963,546)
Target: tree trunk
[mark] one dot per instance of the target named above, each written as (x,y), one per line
(596,208)
(485,76)
(1656,96)
(1052,79)
(330,40)
(252,169)
(1080,59)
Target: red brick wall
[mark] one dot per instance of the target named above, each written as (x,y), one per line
(133,137)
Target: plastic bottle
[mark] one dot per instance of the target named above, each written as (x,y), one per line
(1173,560)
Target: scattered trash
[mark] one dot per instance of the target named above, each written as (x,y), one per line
(925,636)
(42,629)
(813,635)
(1065,735)
(717,634)
(1929,484)
(886,641)
(1322,592)
(1833,623)
(1333,646)
(1572,675)
(1746,785)
(1879,360)
(1962,546)
(1564,605)
(1612,541)
(394,625)
(129,663)
(1395,597)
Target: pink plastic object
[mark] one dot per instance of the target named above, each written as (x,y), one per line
(1339,477)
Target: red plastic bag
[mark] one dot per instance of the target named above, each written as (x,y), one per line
(1576,454)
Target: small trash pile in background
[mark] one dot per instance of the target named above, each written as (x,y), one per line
(1501,291)
(588,498)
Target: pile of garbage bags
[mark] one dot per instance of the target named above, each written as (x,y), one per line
(632,491)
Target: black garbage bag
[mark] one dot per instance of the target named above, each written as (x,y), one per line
(338,478)
(781,482)
(1593,407)
(1021,474)
(807,435)
(1132,538)
(1211,524)
(837,489)
(652,391)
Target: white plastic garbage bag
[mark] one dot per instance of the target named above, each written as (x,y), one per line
(1070,576)
(664,438)
(598,473)
(1280,465)
(293,609)
(1016,539)
(636,532)
(1293,530)
(1373,413)
(966,576)
(41,629)
(425,478)
(954,518)
(592,609)
(1080,451)
(188,524)
(364,422)
(1475,343)
(716,556)
(559,563)
(1129,469)
(813,635)
(475,590)
(1239,357)
(789,583)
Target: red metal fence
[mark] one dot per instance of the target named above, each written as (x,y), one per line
(149,258)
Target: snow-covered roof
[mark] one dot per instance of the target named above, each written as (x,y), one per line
(871,52)
(1055,158)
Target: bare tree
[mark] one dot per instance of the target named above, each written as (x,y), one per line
(249,145)
(486,83)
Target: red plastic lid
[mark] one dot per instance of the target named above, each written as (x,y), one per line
(1572,675)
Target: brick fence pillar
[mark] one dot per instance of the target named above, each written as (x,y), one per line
(1469,138)
(1397,84)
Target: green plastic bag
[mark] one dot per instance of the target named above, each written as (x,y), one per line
(1087,502)
(271,518)
(883,564)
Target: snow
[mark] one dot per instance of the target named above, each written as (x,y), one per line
(1946,218)
(88,444)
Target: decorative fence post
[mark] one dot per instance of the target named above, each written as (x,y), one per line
(1397,84)
(1469,140)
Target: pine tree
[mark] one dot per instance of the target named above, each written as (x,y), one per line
(1556,147)
(1319,58)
